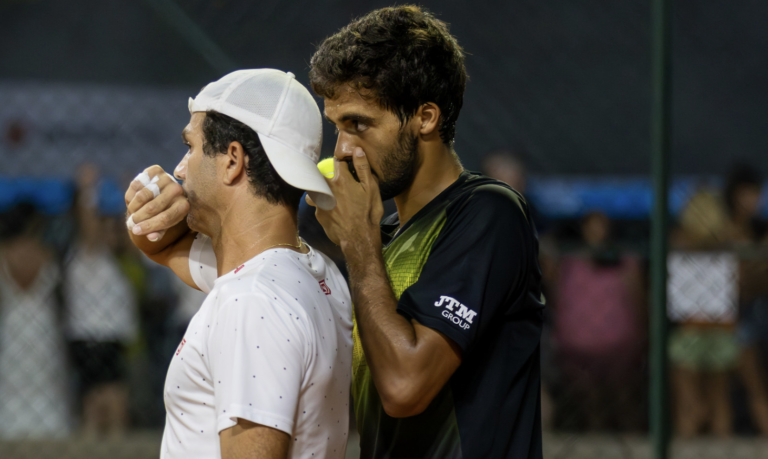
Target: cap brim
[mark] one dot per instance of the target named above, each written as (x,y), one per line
(300,171)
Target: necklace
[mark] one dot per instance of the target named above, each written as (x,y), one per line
(301,244)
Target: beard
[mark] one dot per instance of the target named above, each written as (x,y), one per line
(398,166)
(194,220)
(202,215)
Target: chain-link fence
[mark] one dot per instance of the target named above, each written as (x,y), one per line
(595,366)
(557,106)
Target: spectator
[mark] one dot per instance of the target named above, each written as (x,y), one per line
(508,167)
(149,356)
(742,199)
(101,317)
(745,231)
(703,292)
(34,402)
(600,328)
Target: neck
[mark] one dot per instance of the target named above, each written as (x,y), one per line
(250,226)
(439,168)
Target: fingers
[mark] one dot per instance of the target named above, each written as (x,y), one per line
(362,167)
(145,205)
(154,237)
(141,197)
(309,200)
(164,220)
(323,217)
(143,179)
(133,188)
(339,168)
(344,172)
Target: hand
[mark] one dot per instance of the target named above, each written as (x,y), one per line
(153,215)
(356,217)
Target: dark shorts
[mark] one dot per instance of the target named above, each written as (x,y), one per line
(98,362)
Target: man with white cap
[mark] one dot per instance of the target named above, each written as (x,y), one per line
(264,367)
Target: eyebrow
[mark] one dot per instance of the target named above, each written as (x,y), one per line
(351,117)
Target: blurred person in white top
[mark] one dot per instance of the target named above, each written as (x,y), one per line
(264,367)
(101,314)
(34,395)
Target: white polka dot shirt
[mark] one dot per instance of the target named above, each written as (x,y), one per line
(272,344)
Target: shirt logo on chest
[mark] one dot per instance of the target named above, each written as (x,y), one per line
(326,289)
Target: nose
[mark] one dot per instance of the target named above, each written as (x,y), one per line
(345,145)
(181,169)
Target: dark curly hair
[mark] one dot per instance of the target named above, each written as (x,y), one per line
(220,130)
(404,55)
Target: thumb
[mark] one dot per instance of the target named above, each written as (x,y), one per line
(309,200)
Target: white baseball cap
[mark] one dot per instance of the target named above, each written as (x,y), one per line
(285,117)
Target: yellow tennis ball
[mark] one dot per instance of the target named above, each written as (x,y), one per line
(326,167)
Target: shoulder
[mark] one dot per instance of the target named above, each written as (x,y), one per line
(257,280)
(256,300)
(486,198)
(277,279)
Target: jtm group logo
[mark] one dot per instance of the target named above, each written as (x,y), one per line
(456,312)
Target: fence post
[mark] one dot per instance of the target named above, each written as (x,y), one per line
(661,64)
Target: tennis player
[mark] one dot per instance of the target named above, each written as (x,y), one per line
(449,313)
(264,367)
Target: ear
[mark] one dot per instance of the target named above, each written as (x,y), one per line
(235,163)
(428,117)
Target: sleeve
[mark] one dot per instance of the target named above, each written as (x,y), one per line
(257,363)
(479,267)
(202,263)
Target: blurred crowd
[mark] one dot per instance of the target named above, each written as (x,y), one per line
(88,325)
(595,342)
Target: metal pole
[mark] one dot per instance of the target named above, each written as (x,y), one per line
(661,63)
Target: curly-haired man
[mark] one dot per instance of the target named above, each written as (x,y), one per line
(449,312)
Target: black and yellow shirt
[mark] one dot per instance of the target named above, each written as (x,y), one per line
(465,265)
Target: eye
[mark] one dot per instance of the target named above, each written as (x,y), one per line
(360,126)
